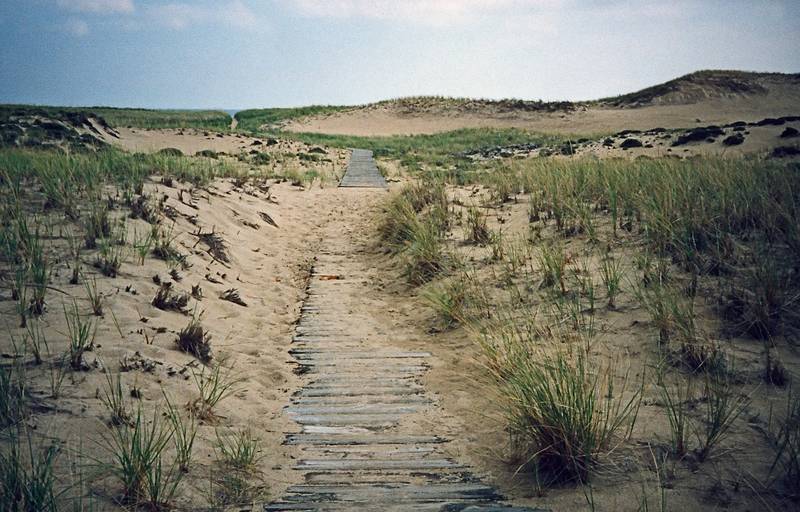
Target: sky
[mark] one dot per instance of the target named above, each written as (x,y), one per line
(273,53)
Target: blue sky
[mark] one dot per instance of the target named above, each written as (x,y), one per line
(251,53)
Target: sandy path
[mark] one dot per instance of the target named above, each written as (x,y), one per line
(370,436)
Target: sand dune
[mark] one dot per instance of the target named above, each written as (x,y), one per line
(685,106)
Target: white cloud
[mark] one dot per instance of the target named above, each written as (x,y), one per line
(233,13)
(76,27)
(431,12)
(98,6)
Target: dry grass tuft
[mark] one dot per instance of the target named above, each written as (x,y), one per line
(167,300)
(232,295)
(194,339)
(216,245)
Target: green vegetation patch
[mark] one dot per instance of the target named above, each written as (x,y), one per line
(121,117)
(437,149)
(146,118)
(65,177)
(254,119)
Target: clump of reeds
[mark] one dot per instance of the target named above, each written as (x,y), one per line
(611,274)
(81,334)
(213,386)
(27,474)
(13,394)
(413,225)
(677,402)
(552,264)
(786,439)
(164,248)
(95,297)
(138,461)
(563,410)
(97,224)
(114,400)
(240,450)
(722,407)
(110,258)
(449,300)
(185,432)
(477,231)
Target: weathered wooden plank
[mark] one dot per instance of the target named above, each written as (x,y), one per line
(356,420)
(361,381)
(360,439)
(315,353)
(360,408)
(392,491)
(374,465)
(359,391)
(356,370)
(350,400)
(379,451)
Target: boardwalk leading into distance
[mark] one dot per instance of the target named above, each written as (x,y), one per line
(362,171)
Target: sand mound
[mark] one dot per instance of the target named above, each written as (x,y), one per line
(709,97)
(25,126)
(703,85)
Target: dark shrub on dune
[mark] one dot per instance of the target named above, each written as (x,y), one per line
(784,151)
(631,143)
(699,134)
(789,132)
(170,152)
(733,140)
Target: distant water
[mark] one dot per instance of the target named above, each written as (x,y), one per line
(231,112)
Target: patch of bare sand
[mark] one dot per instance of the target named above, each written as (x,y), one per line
(267,265)
(190,141)
(384,120)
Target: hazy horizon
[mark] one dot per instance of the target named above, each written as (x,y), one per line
(238,54)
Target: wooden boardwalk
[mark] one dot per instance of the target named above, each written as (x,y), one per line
(362,171)
(366,428)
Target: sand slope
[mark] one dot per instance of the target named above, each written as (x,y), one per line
(686,105)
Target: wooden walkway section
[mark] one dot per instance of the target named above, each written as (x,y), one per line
(364,420)
(362,171)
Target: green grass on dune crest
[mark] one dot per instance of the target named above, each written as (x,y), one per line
(146,118)
(254,119)
(413,150)
(135,117)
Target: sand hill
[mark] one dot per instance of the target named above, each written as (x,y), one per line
(705,97)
